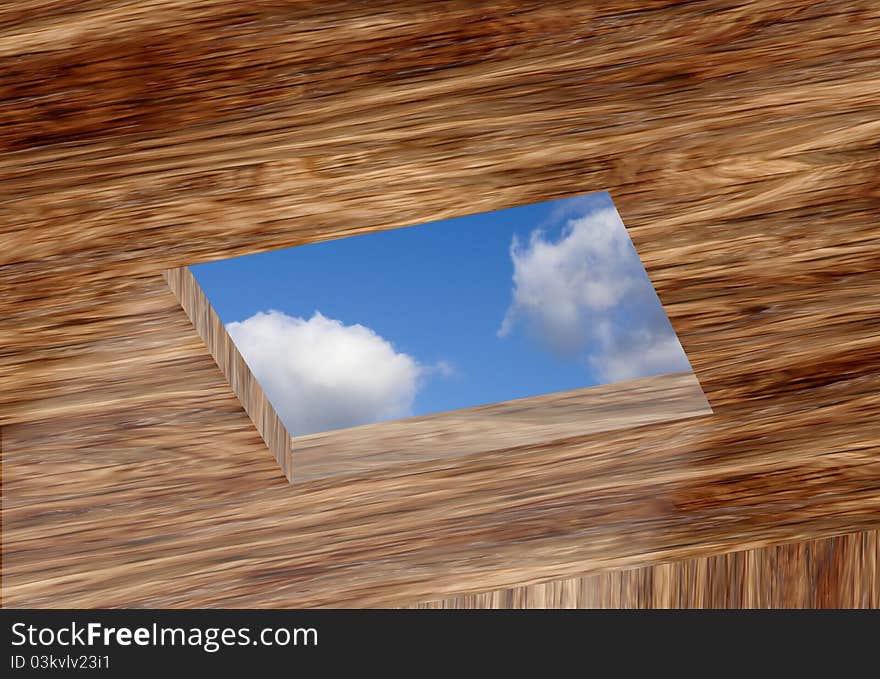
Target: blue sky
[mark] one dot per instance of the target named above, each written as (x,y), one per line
(463,312)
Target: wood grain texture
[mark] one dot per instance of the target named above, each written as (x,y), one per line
(134,465)
(151,536)
(738,141)
(498,427)
(838,572)
(244,385)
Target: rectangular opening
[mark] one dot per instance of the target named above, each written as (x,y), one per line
(481,333)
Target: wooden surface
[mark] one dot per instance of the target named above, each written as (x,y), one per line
(509,425)
(838,572)
(737,139)
(239,377)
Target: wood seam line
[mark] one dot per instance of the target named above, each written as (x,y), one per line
(231,364)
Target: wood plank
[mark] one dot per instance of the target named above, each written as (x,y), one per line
(79,534)
(738,140)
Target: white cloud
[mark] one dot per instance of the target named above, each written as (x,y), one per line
(587,294)
(659,355)
(320,374)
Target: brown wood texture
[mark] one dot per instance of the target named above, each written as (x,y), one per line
(246,388)
(738,140)
(837,572)
(498,427)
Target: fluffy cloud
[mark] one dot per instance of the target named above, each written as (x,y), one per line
(321,374)
(587,294)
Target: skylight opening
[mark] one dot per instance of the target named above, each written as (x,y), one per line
(539,300)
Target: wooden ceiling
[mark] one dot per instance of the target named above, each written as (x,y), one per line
(738,140)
